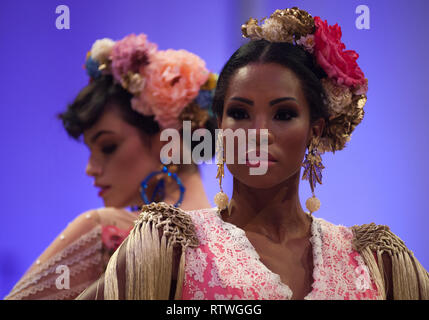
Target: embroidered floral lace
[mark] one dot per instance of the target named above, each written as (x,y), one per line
(227,266)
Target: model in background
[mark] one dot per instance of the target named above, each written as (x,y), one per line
(135,92)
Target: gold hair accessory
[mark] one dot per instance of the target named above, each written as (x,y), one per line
(282,26)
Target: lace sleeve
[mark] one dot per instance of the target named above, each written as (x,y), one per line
(68,266)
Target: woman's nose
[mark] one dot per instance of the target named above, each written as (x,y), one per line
(92,168)
(261,136)
(263,132)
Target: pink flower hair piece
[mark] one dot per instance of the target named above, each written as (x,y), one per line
(173,80)
(131,54)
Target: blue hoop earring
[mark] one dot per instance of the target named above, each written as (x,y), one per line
(159,192)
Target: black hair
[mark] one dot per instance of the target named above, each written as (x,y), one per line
(93,100)
(285,54)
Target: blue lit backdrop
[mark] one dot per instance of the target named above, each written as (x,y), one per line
(378,178)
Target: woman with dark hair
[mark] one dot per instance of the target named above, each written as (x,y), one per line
(135,92)
(299,89)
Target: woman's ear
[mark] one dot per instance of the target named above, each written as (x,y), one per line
(317,127)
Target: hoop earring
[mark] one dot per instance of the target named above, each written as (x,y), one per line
(313,173)
(164,176)
(221,199)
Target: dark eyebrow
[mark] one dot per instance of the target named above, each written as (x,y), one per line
(275,101)
(99,133)
(247,101)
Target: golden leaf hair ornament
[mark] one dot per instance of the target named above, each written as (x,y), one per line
(282,26)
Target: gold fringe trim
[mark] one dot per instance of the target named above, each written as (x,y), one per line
(375,271)
(180,276)
(409,279)
(149,254)
(111,290)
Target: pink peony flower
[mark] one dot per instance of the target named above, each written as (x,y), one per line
(339,64)
(138,105)
(173,80)
(131,54)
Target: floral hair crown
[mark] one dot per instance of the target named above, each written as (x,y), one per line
(171,85)
(345,85)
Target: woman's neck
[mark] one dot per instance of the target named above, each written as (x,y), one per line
(195,196)
(274,212)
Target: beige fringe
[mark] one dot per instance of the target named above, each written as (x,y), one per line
(180,276)
(410,280)
(149,259)
(111,291)
(375,271)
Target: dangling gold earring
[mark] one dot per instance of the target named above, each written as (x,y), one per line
(221,199)
(313,173)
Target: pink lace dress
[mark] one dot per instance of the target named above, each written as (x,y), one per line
(225,265)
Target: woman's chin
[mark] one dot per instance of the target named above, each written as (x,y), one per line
(123,203)
(109,202)
(266,181)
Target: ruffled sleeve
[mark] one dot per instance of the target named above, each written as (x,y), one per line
(406,278)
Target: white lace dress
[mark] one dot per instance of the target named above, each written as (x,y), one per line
(225,265)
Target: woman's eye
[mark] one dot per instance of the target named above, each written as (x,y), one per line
(109,149)
(237,113)
(284,115)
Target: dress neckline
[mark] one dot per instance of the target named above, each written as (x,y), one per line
(316,247)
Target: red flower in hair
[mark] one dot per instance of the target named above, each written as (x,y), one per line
(339,64)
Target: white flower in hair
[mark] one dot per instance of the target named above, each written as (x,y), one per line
(273,30)
(101,49)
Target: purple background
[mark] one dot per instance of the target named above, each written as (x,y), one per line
(378,178)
